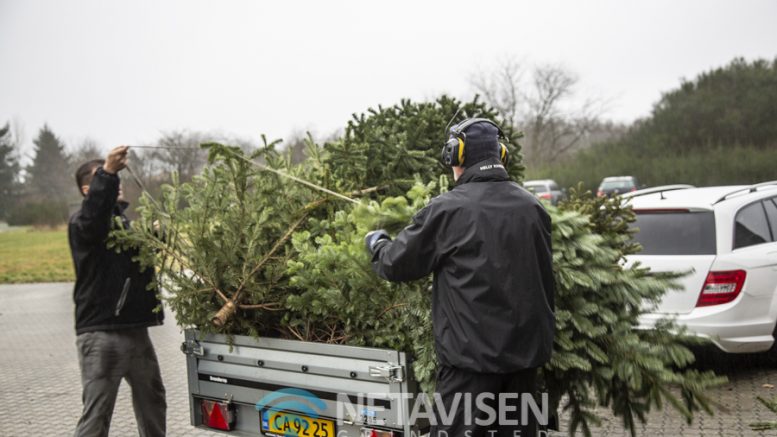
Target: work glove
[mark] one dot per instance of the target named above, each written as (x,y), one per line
(373,237)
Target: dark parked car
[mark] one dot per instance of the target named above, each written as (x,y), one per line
(545,189)
(615,185)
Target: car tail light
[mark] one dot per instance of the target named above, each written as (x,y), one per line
(600,193)
(370,432)
(218,415)
(546,196)
(633,189)
(721,287)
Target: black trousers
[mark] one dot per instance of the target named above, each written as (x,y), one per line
(461,390)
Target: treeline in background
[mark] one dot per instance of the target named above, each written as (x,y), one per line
(717,129)
(44,192)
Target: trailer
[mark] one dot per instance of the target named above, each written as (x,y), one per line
(246,386)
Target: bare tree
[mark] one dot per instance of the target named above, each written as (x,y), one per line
(544,108)
(501,88)
(17,141)
(553,129)
(179,151)
(17,132)
(86,150)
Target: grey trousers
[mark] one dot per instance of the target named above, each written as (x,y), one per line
(105,358)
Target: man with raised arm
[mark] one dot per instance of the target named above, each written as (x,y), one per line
(113,308)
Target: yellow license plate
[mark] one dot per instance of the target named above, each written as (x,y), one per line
(284,423)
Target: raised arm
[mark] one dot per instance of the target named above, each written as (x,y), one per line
(94,220)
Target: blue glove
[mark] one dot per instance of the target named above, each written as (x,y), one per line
(372,238)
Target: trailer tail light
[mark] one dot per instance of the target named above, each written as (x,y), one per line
(721,287)
(370,432)
(218,415)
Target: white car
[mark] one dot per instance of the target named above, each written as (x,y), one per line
(727,237)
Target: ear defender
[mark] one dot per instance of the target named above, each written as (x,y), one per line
(453,150)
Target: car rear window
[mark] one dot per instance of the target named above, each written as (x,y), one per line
(537,188)
(616,184)
(675,232)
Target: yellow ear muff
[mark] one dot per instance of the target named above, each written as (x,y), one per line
(461,151)
(503,153)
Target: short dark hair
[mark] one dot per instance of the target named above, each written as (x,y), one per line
(85,172)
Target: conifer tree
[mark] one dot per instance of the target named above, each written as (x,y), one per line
(50,180)
(9,171)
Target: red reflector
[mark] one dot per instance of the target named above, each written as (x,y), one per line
(721,287)
(218,415)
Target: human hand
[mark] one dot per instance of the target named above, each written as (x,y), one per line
(116,160)
(372,238)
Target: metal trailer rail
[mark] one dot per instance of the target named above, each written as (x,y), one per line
(240,374)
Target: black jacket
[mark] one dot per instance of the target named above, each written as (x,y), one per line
(488,243)
(111,289)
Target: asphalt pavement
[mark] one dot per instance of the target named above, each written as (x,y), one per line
(40,385)
(40,389)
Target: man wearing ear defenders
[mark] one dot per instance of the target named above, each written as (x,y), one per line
(488,244)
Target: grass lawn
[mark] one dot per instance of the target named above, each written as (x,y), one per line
(35,255)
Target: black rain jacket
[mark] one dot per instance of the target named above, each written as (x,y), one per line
(111,290)
(488,243)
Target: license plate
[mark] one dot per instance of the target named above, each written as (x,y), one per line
(284,423)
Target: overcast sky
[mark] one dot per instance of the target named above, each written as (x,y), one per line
(121,72)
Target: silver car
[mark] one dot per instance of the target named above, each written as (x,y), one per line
(545,189)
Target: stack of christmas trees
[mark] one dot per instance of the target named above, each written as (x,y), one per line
(245,251)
